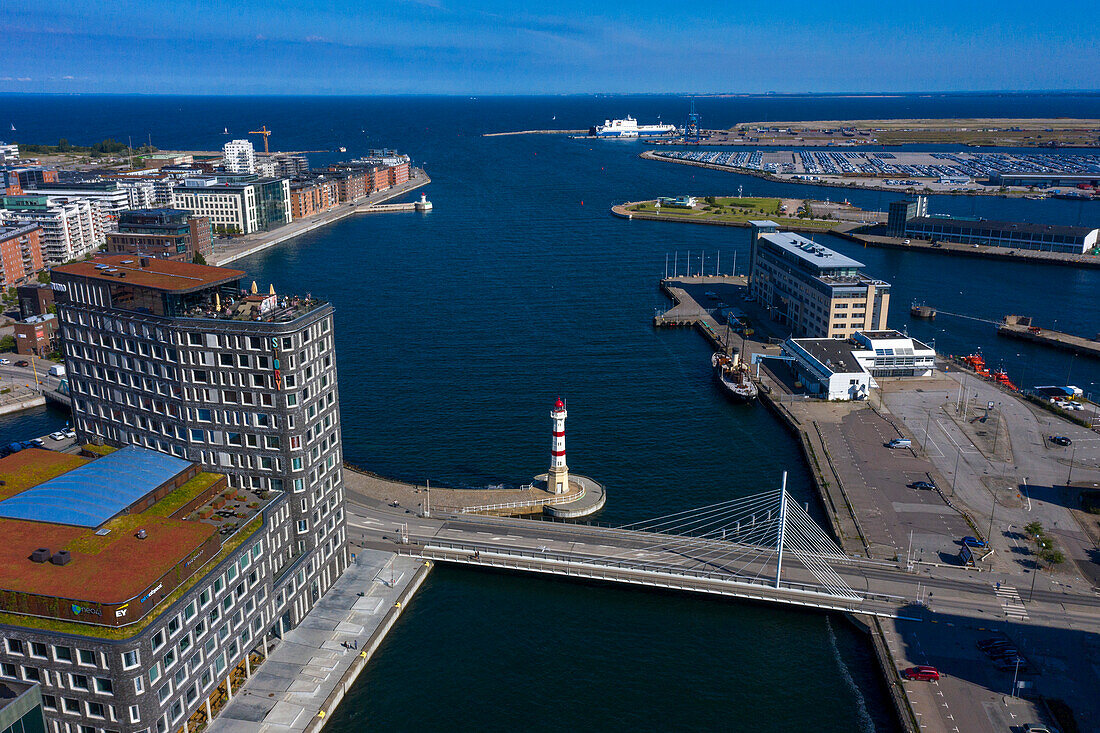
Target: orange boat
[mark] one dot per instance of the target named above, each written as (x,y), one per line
(977,363)
(1001,378)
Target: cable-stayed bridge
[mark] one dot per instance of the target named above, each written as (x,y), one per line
(764,547)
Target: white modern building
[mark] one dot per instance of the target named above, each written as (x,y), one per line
(836,369)
(107,196)
(240,156)
(236,206)
(71,228)
(142,192)
(9,152)
(890,353)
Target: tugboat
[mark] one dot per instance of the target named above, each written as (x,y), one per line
(733,377)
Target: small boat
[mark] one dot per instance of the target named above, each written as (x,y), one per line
(343,149)
(733,377)
(225,130)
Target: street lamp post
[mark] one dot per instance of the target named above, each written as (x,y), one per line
(1034,572)
(997,428)
(989,534)
(1072,455)
(927,423)
(955,473)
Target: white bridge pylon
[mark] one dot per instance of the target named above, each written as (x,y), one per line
(750,539)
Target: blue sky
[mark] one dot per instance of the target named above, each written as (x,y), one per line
(569,46)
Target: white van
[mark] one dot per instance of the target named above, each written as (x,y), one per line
(900,443)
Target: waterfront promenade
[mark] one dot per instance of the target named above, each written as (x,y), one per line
(308,672)
(227,250)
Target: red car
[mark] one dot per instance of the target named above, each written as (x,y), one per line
(923,672)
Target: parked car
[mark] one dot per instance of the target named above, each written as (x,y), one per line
(37,442)
(900,443)
(985,644)
(922,672)
(1004,652)
(1009,663)
(972,542)
(1060,440)
(5,362)
(1038,728)
(70,433)
(999,648)
(57,436)
(923,485)
(22,363)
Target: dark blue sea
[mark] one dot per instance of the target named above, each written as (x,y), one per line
(457,329)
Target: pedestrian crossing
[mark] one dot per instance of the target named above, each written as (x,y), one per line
(1011,602)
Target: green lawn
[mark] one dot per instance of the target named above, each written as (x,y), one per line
(735,210)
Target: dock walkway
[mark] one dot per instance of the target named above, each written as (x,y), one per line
(1057,339)
(309,672)
(689,311)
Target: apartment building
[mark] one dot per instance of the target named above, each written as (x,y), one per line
(137,584)
(815,291)
(20,252)
(71,229)
(239,156)
(177,358)
(315,195)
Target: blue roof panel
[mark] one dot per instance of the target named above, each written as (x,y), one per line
(91,494)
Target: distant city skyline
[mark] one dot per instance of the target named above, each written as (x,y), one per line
(487,47)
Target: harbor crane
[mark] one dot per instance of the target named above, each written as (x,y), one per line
(262,131)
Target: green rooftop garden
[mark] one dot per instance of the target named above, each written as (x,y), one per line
(126,632)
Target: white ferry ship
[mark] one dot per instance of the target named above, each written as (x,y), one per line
(629,128)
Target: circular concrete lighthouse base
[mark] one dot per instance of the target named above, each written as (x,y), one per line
(589,497)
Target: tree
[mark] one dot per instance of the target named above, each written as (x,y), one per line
(1051,557)
(44,277)
(198,259)
(7,344)
(1034,529)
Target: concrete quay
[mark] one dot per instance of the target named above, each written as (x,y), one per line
(971,250)
(307,674)
(1057,339)
(584,497)
(231,250)
(691,307)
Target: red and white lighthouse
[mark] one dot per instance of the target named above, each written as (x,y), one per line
(557,479)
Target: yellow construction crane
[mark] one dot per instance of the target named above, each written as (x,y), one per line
(262,131)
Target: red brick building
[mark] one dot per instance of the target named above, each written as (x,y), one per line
(20,252)
(398,174)
(37,335)
(351,184)
(313,196)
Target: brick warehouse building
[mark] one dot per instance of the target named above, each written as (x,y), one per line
(135,585)
(176,358)
(20,252)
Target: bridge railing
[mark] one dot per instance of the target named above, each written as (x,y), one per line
(637,565)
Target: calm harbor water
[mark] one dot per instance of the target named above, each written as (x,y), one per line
(456,330)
